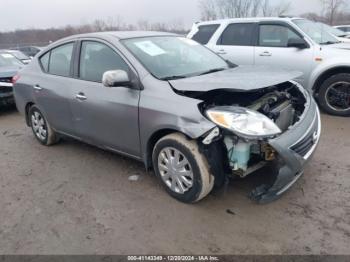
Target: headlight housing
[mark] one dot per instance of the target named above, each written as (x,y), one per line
(243,122)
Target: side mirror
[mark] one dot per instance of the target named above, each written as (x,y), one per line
(297,42)
(116,78)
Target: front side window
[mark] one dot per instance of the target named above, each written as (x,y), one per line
(315,32)
(275,35)
(205,32)
(238,35)
(171,57)
(60,60)
(97,58)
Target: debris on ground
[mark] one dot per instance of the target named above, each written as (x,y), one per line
(134,178)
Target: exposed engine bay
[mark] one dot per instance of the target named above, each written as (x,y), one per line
(284,104)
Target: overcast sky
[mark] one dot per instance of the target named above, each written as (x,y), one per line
(23,14)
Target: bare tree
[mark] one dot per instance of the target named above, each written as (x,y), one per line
(208,9)
(211,9)
(282,9)
(331,9)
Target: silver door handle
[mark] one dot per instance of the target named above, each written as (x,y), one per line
(81,97)
(38,87)
(266,53)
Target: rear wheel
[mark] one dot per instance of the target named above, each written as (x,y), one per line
(41,128)
(334,95)
(182,169)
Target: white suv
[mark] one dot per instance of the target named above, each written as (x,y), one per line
(291,43)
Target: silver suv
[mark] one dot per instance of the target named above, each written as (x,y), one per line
(290,43)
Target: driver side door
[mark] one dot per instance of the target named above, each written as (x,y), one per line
(272,50)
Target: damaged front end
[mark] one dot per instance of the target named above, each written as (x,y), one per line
(272,130)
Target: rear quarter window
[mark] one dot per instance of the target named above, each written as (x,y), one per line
(44,61)
(205,32)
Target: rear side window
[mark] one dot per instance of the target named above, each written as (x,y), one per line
(97,58)
(275,35)
(60,60)
(238,35)
(205,32)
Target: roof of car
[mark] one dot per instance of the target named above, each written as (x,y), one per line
(251,19)
(124,34)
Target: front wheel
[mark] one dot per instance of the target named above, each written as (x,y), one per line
(334,95)
(182,169)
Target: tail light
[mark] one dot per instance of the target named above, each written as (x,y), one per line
(15,78)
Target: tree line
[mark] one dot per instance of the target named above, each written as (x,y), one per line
(332,12)
(42,37)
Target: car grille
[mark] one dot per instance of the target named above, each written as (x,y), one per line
(306,144)
(3,88)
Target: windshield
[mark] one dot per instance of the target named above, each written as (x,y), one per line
(316,32)
(170,57)
(9,60)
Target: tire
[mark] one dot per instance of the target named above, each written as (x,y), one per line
(41,128)
(196,187)
(324,93)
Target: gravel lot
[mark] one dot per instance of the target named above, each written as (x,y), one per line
(76,199)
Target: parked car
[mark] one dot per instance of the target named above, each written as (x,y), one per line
(19,55)
(30,51)
(175,105)
(340,35)
(9,66)
(290,43)
(344,28)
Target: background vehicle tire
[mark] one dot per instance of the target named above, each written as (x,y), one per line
(41,128)
(333,93)
(186,176)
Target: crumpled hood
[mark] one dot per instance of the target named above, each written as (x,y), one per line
(240,79)
(9,71)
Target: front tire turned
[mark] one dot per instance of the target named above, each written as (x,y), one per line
(182,169)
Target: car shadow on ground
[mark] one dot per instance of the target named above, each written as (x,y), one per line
(7,110)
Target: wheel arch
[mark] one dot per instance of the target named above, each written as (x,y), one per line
(27,108)
(327,74)
(152,141)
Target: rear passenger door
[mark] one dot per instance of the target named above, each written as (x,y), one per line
(236,43)
(52,89)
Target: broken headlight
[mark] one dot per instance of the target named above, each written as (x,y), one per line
(243,122)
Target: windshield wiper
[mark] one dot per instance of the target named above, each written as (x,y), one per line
(212,71)
(167,78)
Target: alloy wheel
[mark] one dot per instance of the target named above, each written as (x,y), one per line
(338,96)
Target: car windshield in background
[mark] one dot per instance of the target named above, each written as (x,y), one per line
(9,60)
(19,54)
(332,30)
(174,57)
(317,33)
